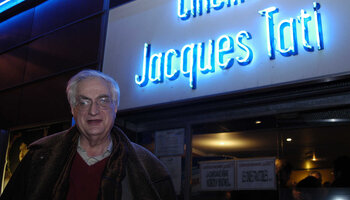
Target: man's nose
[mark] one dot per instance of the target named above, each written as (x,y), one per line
(94,109)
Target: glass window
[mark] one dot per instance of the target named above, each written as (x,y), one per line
(236,145)
(310,159)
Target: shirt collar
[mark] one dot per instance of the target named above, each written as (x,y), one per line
(95,159)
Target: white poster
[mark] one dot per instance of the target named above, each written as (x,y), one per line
(217,176)
(256,174)
(174,166)
(170,142)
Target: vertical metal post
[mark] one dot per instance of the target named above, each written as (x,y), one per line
(103,33)
(188,162)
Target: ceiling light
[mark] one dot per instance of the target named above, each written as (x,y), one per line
(289,139)
(314,157)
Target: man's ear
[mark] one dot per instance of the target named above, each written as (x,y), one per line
(72,110)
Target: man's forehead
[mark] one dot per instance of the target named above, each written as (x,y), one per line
(98,96)
(94,86)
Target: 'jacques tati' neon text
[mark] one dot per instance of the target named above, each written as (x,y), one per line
(221,54)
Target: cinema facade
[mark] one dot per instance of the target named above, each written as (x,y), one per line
(230,95)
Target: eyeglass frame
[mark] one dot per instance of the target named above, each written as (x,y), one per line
(100,105)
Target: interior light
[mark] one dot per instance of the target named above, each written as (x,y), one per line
(289,139)
(339,198)
(308,165)
(314,157)
(258,122)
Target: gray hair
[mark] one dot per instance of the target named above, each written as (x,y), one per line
(72,85)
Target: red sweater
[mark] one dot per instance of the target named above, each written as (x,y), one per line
(84,180)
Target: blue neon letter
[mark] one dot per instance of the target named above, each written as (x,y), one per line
(248,58)
(200,58)
(194,8)
(292,50)
(268,13)
(188,64)
(199,7)
(236,2)
(168,64)
(210,67)
(143,80)
(304,19)
(207,5)
(318,24)
(223,49)
(156,68)
(217,5)
(182,10)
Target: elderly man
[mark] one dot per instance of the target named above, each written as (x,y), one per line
(92,160)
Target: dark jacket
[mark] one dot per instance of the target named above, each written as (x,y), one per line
(45,165)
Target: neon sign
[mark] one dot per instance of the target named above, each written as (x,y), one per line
(203,58)
(188,8)
(304,18)
(192,58)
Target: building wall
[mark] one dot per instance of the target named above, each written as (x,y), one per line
(39,50)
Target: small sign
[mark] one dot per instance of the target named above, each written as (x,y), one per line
(217,176)
(256,174)
(170,142)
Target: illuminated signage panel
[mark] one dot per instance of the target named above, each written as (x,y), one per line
(166,50)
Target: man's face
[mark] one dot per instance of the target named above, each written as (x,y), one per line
(95,111)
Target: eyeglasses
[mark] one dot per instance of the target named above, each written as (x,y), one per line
(103,103)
